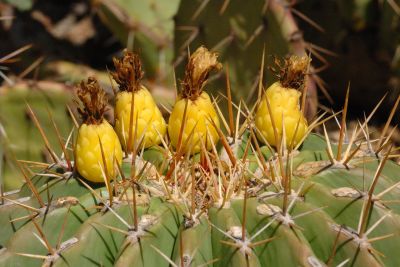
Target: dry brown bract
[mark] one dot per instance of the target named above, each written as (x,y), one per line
(94,101)
(201,63)
(128,72)
(291,71)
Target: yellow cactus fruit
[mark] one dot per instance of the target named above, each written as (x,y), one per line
(146,122)
(283,98)
(97,148)
(200,112)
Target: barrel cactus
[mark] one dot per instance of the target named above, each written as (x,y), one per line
(240,204)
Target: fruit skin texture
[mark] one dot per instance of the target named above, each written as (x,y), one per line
(284,103)
(198,114)
(88,155)
(149,118)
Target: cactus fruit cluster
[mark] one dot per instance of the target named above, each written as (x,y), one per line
(222,195)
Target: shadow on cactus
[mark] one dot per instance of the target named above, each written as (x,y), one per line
(241,202)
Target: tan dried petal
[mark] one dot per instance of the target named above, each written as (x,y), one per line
(204,61)
(128,74)
(201,63)
(292,71)
(94,101)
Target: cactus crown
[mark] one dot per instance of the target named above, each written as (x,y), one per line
(291,71)
(94,101)
(200,64)
(128,72)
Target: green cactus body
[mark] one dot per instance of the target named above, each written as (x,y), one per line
(146,25)
(321,225)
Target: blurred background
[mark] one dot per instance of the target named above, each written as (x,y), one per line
(46,47)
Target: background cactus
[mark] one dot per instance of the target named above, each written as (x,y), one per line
(146,26)
(365,36)
(18,133)
(240,203)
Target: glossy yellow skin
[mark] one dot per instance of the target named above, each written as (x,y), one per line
(149,118)
(88,156)
(198,111)
(284,104)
